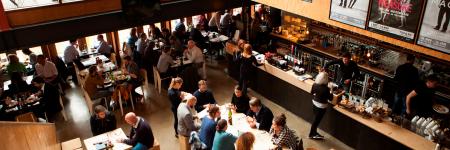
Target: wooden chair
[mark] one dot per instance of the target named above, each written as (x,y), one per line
(27,117)
(63,111)
(204,70)
(141,90)
(158,79)
(89,102)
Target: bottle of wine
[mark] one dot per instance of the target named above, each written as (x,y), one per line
(230,118)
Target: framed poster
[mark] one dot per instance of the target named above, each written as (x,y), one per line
(351,12)
(395,18)
(433,31)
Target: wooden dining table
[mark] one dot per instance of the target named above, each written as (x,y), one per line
(7,83)
(111,136)
(93,60)
(263,140)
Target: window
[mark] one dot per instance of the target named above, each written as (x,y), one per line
(123,36)
(146,27)
(22,57)
(173,23)
(237,11)
(18,4)
(91,41)
(60,47)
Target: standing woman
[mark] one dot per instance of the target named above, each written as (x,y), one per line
(245,141)
(322,94)
(175,97)
(246,61)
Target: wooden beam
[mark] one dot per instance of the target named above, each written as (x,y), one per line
(4,24)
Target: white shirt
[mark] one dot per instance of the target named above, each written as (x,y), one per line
(195,55)
(70,54)
(47,70)
(137,123)
(164,62)
(140,45)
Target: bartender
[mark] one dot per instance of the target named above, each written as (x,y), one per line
(348,71)
(419,101)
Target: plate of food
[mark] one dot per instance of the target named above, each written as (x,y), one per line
(440,109)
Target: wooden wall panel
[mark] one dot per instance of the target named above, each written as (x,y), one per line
(42,14)
(28,136)
(319,10)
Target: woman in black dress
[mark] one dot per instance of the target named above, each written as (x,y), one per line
(246,70)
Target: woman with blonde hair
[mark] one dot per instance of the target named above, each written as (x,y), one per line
(245,141)
(175,97)
(322,94)
(246,61)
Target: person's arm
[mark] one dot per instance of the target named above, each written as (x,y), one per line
(113,121)
(134,136)
(408,101)
(94,126)
(212,100)
(189,122)
(254,61)
(356,73)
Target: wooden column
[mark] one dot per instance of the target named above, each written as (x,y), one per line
(113,40)
(82,44)
(188,21)
(49,50)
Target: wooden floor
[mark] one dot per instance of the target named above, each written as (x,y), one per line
(156,110)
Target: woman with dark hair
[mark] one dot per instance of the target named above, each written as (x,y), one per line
(282,136)
(245,141)
(222,139)
(208,128)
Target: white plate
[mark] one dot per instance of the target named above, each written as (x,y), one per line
(440,109)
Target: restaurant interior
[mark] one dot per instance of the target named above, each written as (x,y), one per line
(66,64)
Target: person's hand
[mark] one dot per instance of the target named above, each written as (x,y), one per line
(250,119)
(347,81)
(252,125)
(408,111)
(120,140)
(206,106)
(133,76)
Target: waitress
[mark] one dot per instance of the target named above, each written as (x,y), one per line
(347,72)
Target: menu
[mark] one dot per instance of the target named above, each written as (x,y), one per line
(433,32)
(395,18)
(350,12)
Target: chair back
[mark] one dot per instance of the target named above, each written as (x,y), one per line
(27,117)
(80,77)
(156,76)
(87,99)
(113,58)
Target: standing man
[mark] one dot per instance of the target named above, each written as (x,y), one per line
(348,71)
(50,97)
(443,10)
(187,122)
(419,100)
(225,23)
(141,135)
(103,47)
(33,58)
(47,70)
(141,44)
(71,54)
(406,76)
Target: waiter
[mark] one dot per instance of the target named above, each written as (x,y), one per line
(348,71)
(419,101)
(406,78)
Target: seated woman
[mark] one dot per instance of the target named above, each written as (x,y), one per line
(282,136)
(132,69)
(245,141)
(208,128)
(102,121)
(222,139)
(18,85)
(93,80)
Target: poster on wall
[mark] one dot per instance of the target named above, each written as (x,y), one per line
(433,32)
(395,18)
(352,12)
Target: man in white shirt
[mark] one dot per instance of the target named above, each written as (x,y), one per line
(193,53)
(164,62)
(46,69)
(225,23)
(103,47)
(71,52)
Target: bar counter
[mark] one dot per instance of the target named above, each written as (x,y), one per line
(294,95)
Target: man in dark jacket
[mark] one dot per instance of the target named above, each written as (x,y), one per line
(259,116)
(141,134)
(102,121)
(347,72)
(50,97)
(406,77)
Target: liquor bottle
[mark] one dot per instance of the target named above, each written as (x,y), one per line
(230,114)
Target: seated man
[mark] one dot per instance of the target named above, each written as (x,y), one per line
(186,121)
(164,63)
(102,121)
(141,134)
(204,96)
(240,101)
(194,54)
(46,69)
(103,47)
(93,80)
(259,116)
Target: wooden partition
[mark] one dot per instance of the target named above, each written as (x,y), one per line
(319,10)
(28,136)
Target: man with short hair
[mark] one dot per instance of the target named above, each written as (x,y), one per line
(33,57)
(141,135)
(70,54)
(406,77)
(259,116)
(193,53)
(103,47)
(186,121)
(46,69)
(102,121)
(420,100)
(348,70)
(204,96)
(164,63)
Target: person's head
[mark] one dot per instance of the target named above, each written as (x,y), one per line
(38,82)
(202,86)
(93,70)
(245,141)
(127,60)
(41,59)
(100,111)
(133,32)
(238,91)
(191,44)
(248,49)
(13,58)
(255,104)
(73,41)
(432,81)
(100,37)
(16,77)
(321,78)
(241,43)
(191,100)
(165,32)
(279,122)
(214,111)
(346,57)
(131,118)
(172,39)
(222,125)
(151,45)
(166,50)
(26,51)
(410,58)
(143,36)
(176,83)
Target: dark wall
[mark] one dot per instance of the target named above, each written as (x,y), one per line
(56,31)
